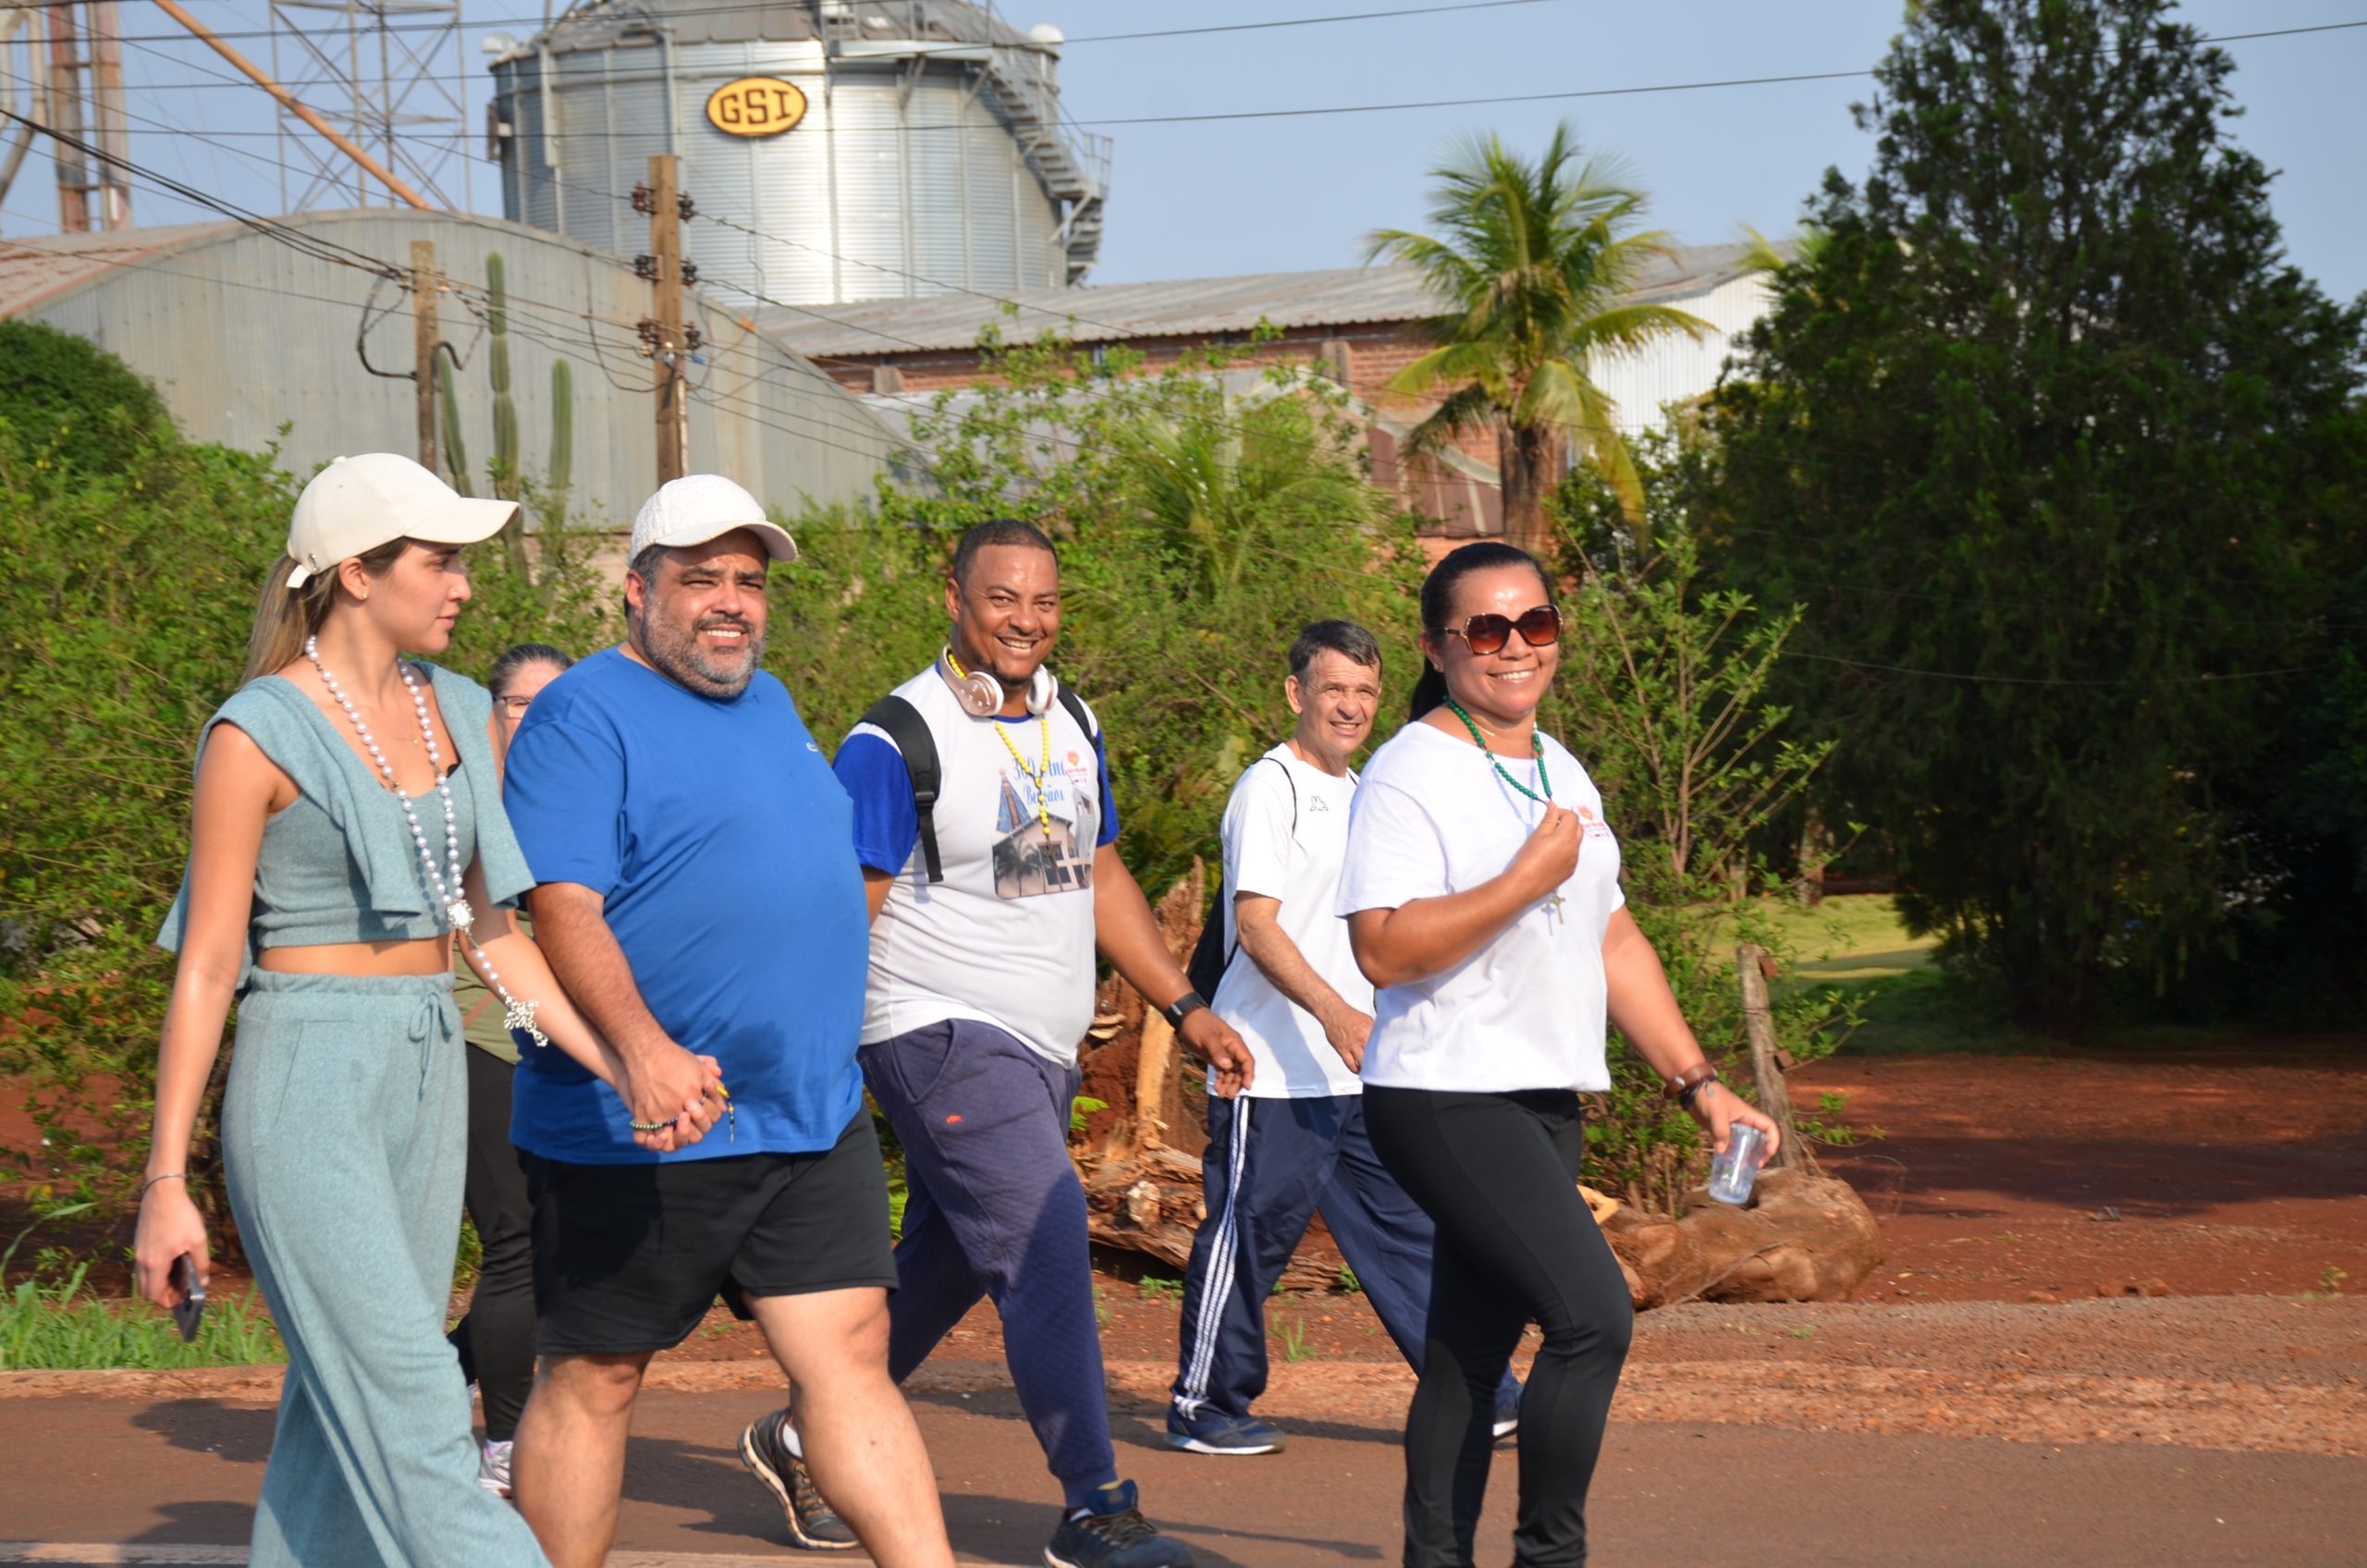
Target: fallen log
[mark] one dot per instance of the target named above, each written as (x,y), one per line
(1149,1202)
(1805,1237)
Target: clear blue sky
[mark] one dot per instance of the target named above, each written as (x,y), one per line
(1274,195)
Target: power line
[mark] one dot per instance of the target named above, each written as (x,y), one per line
(741,8)
(1568,96)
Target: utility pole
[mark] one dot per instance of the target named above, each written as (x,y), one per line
(422,341)
(667,349)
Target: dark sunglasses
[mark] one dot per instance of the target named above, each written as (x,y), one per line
(1540,628)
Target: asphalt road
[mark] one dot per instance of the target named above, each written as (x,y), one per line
(169,1482)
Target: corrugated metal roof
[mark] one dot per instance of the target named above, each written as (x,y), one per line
(37,269)
(1178,308)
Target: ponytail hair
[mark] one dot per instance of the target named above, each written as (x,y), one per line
(1438,605)
(286,616)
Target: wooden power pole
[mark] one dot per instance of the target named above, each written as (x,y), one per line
(668,351)
(423,338)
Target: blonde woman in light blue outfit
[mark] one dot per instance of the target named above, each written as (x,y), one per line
(347,821)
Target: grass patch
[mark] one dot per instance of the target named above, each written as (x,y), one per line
(61,1327)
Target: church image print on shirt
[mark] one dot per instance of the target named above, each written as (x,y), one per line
(1029,860)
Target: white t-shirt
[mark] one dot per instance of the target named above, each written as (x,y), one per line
(1299,863)
(1526,1012)
(1006,938)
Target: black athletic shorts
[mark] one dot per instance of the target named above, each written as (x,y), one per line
(629,1257)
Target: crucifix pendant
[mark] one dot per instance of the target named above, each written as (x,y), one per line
(1554,904)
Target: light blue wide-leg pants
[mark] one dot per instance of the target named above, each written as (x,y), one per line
(343,1132)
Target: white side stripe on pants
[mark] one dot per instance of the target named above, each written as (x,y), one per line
(1217,1288)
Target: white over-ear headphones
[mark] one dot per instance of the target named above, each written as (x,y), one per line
(981,694)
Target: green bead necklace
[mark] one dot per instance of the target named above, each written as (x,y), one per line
(1537,751)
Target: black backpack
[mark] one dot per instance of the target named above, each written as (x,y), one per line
(904,724)
(1211,956)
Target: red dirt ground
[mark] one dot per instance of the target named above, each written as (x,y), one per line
(2237,1171)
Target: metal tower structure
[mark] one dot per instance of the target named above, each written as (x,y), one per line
(71,81)
(388,73)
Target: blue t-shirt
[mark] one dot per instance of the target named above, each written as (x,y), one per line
(724,848)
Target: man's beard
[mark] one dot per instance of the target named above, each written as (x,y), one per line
(673,650)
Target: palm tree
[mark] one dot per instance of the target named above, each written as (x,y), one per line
(1537,261)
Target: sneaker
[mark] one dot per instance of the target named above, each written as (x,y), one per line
(813,1523)
(1507,1410)
(1212,1431)
(493,1468)
(1113,1534)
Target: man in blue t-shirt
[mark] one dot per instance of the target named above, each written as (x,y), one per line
(987,918)
(699,899)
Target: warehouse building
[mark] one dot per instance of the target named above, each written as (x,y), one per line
(299,332)
(1358,325)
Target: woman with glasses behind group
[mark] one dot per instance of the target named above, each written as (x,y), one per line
(495,1340)
(1482,895)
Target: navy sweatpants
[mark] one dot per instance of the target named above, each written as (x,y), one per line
(993,1207)
(1270,1164)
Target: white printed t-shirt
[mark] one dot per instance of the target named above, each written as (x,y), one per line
(1298,864)
(1526,1012)
(1007,938)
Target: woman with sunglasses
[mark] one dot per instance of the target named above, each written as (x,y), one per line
(1482,895)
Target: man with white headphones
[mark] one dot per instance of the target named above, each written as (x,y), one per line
(984,823)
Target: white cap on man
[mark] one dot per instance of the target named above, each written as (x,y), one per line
(700,507)
(357,504)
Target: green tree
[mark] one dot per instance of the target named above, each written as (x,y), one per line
(1538,262)
(74,405)
(2062,456)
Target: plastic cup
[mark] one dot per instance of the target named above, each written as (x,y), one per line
(1733,1173)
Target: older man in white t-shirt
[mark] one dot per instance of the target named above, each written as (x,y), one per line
(1293,1141)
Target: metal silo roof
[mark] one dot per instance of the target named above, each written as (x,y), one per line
(601,24)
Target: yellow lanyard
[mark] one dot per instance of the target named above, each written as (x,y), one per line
(1036,775)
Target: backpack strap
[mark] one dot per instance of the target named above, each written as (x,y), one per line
(1211,957)
(1083,715)
(902,723)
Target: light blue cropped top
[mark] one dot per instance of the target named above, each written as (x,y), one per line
(338,864)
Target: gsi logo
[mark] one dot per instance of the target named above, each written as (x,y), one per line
(756,106)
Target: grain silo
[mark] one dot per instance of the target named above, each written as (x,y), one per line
(864,149)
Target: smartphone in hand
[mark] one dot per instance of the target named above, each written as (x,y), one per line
(191,1306)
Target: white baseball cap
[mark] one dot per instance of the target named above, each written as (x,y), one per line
(357,504)
(700,507)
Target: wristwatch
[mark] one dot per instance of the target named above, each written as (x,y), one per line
(1180,1007)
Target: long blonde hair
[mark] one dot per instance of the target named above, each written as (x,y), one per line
(286,616)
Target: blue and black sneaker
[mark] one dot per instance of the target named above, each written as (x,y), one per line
(1212,1431)
(1112,1533)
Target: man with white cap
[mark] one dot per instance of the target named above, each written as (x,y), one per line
(698,892)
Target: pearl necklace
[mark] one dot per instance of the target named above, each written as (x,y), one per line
(449,899)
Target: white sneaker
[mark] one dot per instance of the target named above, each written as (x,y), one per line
(493,1468)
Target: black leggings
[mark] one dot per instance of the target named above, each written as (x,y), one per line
(1498,1173)
(495,1340)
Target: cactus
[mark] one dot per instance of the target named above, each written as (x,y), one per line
(505,407)
(562,434)
(456,456)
